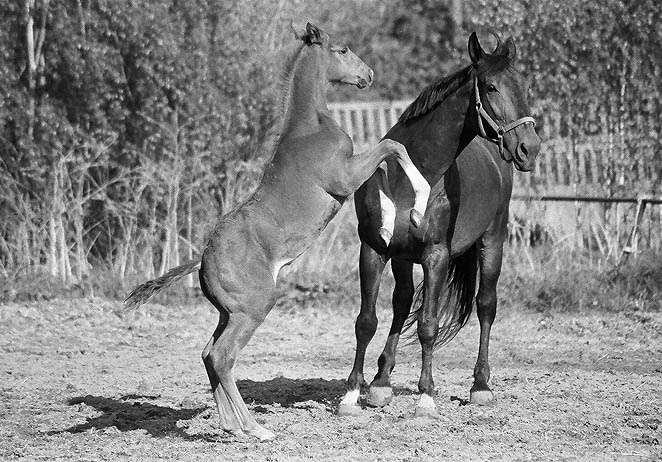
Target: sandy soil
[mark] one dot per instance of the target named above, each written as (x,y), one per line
(84,380)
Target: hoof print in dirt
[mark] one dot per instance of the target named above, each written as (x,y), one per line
(349,410)
(482,398)
(379,396)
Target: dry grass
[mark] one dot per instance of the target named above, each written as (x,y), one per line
(556,278)
(551,277)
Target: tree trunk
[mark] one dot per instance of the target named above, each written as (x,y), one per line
(35,64)
(189,235)
(457,20)
(30,66)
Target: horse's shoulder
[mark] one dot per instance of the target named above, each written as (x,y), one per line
(331,127)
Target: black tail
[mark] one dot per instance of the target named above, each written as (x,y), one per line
(455,312)
(147,290)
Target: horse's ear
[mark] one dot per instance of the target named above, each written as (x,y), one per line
(512,49)
(315,35)
(475,50)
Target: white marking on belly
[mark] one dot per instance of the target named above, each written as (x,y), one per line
(278,265)
(388,211)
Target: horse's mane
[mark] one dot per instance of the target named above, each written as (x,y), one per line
(435,93)
(283,89)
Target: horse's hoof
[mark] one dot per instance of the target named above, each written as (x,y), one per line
(482,397)
(379,396)
(236,433)
(386,236)
(349,410)
(426,407)
(261,433)
(416,218)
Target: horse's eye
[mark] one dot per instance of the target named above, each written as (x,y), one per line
(344,50)
(490,88)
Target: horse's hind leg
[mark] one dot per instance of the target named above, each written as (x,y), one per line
(486,305)
(220,356)
(241,311)
(371,267)
(380,392)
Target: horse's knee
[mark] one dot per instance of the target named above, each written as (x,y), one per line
(366,325)
(486,305)
(427,331)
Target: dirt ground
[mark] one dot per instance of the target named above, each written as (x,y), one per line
(84,380)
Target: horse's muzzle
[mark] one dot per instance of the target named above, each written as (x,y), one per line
(362,83)
(524,156)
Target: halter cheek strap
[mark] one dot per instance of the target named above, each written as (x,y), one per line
(500,130)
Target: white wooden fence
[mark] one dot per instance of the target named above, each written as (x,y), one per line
(367,122)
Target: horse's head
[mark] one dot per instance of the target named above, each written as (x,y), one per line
(501,103)
(342,65)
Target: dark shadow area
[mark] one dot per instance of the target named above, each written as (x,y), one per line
(287,392)
(129,413)
(134,412)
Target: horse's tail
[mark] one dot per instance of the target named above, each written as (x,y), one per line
(457,308)
(147,290)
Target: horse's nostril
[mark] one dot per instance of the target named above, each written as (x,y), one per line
(524,150)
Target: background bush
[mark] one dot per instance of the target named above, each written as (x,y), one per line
(126,129)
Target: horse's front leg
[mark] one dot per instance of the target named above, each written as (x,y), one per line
(360,167)
(385,204)
(486,305)
(418,183)
(435,269)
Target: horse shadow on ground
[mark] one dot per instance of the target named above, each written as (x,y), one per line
(288,392)
(133,412)
(138,412)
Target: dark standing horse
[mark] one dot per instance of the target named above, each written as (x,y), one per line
(455,132)
(310,175)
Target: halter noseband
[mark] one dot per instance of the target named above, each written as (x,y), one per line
(500,130)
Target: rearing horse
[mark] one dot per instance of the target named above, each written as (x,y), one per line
(311,173)
(455,132)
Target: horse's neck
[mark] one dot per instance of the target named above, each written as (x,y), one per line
(307,96)
(445,132)
(453,122)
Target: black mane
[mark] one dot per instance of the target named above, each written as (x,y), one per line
(435,93)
